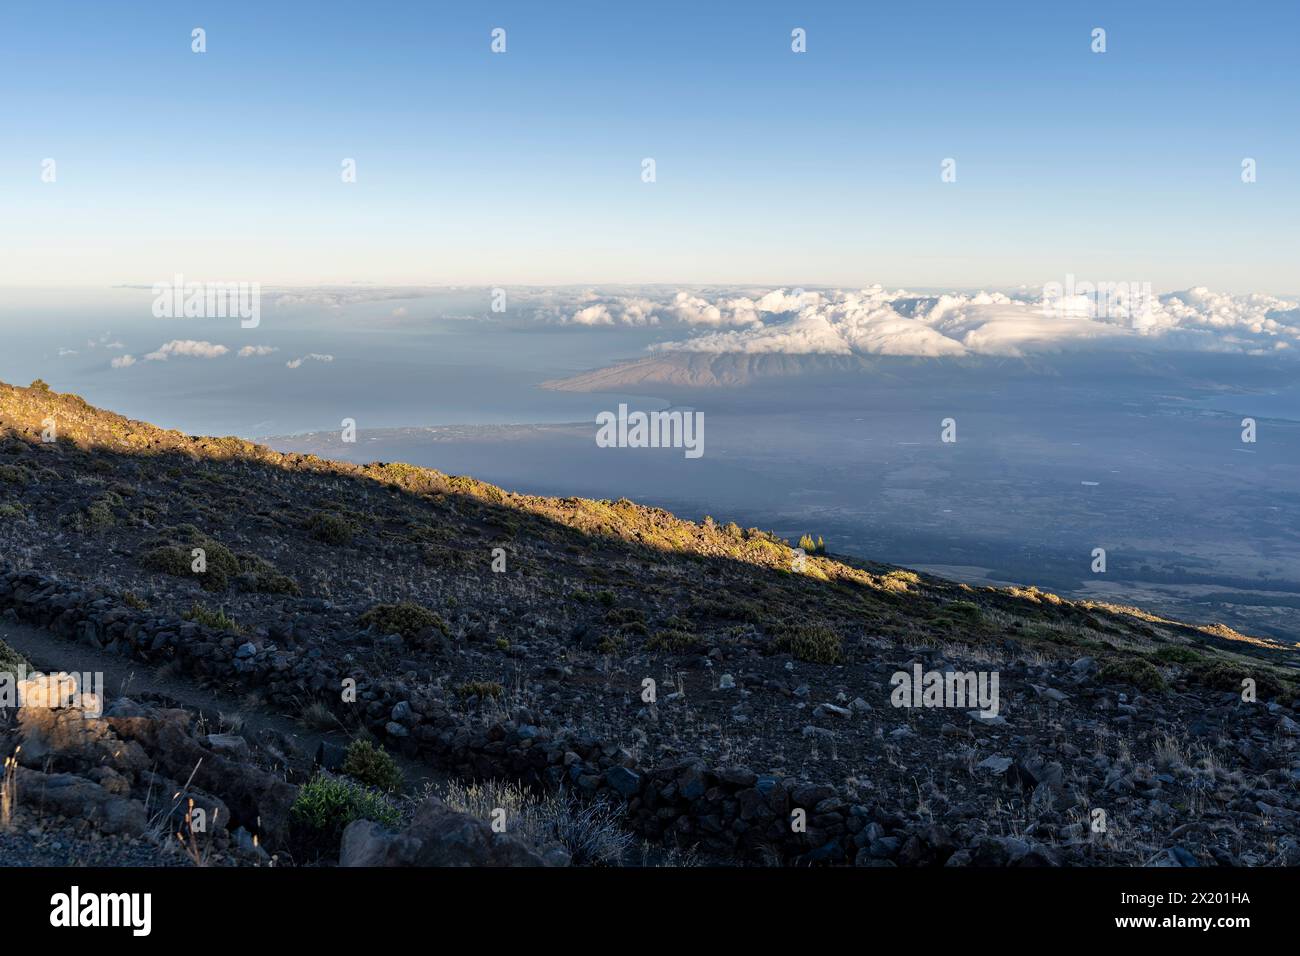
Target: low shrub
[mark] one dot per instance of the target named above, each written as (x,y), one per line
(406,619)
(326,805)
(373,766)
(814,643)
(1136,672)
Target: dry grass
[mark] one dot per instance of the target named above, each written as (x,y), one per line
(9,791)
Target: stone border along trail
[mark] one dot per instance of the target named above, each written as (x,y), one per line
(125,677)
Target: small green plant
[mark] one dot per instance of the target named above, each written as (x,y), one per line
(373,766)
(131,599)
(605,597)
(814,643)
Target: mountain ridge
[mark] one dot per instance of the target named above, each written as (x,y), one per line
(322,572)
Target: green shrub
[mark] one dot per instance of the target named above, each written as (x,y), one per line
(1137,672)
(1226,675)
(814,643)
(623,615)
(373,766)
(326,805)
(171,552)
(964,612)
(1177,655)
(12,662)
(331,529)
(15,474)
(406,619)
(99,514)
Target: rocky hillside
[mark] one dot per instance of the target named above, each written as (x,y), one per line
(720,695)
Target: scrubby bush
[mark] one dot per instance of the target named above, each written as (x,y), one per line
(218,620)
(623,615)
(482,689)
(406,619)
(372,766)
(675,642)
(814,643)
(613,644)
(1228,675)
(1136,672)
(331,529)
(1177,655)
(965,612)
(172,552)
(12,662)
(326,805)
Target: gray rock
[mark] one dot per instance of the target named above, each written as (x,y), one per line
(626,782)
(228,745)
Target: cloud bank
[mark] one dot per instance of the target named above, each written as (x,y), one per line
(876,321)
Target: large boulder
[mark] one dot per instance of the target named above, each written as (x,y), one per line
(78,798)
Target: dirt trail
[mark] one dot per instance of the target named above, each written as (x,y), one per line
(127,677)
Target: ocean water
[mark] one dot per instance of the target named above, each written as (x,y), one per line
(1276,403)
(439,359)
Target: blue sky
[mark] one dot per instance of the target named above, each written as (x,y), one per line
(773,167)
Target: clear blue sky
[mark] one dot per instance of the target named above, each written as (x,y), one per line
(773,167)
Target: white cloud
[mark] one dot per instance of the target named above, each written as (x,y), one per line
(188,348)
(250,350)
(123,361)
(312,357)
